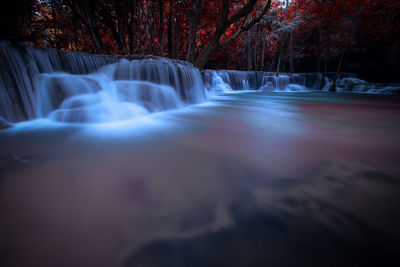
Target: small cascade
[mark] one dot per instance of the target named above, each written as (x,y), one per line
(292,82)
(246,85)
(238,80)
(245,80)
(235,80)
(217,83)
(314,81)
(327,84)
(20,65)
(269,83)
(275,83)
(253,81)
(298,79)
(350,84)
(183,77)
(299,82)
(283,83)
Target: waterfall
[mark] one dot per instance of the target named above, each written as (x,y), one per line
(278,83)
(217,83)
(284,82)
(77,87)
(352,84)
(251,81)
(21,64)
(118,91)
(233,79)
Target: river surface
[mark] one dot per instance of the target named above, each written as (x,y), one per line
(246,179)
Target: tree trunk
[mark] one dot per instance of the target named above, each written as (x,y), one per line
(177,37)
(161,22)
(204,56)
(278,64)
(115,30)
(150,30)
(263,55)
(130,25)
(255,58)
(170,32)
(333,87)
(131,36)
(223,24)
(283,41)
(194,23)
(117,23)
(291,52)
(88,21)
(272,66)
(54,15)
(76,40)
(318,69)
(248,46)
(152,37)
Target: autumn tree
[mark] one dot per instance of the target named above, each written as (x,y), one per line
(193,9)
(223,23)
(16,18)
(301,35)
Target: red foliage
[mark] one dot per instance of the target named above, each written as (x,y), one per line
(320,29)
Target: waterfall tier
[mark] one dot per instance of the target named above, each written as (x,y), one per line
(118,91)
(268,81)
(78,87)
(21,64)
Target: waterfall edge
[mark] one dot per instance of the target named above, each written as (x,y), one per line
(24,67)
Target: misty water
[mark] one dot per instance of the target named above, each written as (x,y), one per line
(109,161)
(243,179)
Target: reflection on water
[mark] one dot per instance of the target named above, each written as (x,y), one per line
(250,179)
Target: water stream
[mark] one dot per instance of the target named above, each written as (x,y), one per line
(131,165)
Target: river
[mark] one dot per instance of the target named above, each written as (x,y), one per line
(245,179)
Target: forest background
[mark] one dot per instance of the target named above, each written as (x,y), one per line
(360,36)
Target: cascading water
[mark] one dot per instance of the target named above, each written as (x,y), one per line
(274,83)
(232,79)
(21,64)
(299,82)
(74,87)
(228,81)
(77,87)
(217,83)
(118,91)
(352,84)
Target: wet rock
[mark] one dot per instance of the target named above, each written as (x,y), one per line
(4,124)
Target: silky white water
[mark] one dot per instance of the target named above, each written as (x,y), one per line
(60,86)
